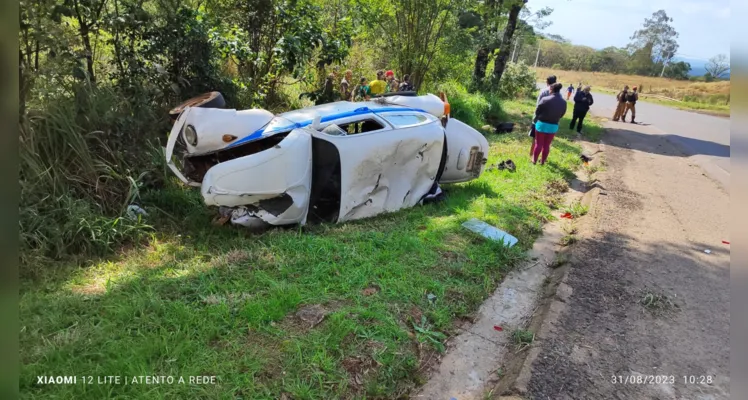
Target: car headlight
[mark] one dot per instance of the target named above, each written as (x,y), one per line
(190,135)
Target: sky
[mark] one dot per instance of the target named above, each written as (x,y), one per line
(703,25)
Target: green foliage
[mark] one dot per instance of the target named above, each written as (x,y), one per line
(518,80)
(678,70)
(469,108)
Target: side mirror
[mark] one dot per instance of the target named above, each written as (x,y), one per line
(317,122)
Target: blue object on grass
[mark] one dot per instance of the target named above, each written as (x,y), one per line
(490,232)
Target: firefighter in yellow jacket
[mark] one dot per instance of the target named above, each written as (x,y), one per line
(621,97)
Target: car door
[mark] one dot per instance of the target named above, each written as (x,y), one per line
(467,153)
(275,182)
(386,169)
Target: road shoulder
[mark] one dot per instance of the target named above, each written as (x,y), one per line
(642,301)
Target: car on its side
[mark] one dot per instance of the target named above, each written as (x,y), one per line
(334,162)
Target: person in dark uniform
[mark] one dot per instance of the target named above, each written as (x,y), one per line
(582,102)
(631,98)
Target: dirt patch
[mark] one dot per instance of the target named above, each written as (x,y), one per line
(358,368)
(311,315)
(371,290)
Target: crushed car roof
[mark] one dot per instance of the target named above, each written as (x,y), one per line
(328,112)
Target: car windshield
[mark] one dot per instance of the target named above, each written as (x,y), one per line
(278,124)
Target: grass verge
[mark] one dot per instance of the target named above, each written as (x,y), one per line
(319,312)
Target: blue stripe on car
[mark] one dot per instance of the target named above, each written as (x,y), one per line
(262,132)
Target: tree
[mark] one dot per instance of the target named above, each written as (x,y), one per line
(502,56)
(486,29)
(678,70)
(718,65)
(412,28)
(658,35)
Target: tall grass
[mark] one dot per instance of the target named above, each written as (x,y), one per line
(83,157)
(716,93)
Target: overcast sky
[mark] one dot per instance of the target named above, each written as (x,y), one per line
(703,25)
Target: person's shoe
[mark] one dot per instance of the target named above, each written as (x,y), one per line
(632,121)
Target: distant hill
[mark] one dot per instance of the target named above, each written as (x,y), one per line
(697,66)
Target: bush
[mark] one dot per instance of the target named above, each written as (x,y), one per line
(518,80)
(469,108)
(84,156)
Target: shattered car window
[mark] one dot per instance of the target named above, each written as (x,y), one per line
(334,130)
(405,120)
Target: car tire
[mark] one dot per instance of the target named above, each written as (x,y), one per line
(205,100)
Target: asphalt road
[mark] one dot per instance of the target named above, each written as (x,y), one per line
(704,138)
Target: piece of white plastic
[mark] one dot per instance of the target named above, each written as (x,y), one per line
(490,232)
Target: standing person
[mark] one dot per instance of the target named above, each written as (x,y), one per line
(405,85)
(631,99)
(378,86)
(362,91)
(392,85)
(551,80)
(582,102)
(328,94)
(569,91)
(345,86)
(579,87)
(621,97)
(548,113)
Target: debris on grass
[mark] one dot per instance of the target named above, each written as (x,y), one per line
(490,232)
(134,212)
(707,251)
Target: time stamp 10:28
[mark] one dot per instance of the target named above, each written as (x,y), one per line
(658,379)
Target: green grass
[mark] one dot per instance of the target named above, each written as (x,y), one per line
(198,299)
(576,209)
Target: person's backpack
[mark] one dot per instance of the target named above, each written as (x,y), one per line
(631,97)
(621,97)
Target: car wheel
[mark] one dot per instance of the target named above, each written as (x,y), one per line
(205,100)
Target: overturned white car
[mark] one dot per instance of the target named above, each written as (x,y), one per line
(334,162)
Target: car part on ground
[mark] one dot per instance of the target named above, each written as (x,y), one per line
(205,100)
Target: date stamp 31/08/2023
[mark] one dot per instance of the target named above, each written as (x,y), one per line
(636,379)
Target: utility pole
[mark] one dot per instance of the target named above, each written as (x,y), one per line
(537,56)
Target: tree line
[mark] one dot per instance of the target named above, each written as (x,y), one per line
(651,52)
